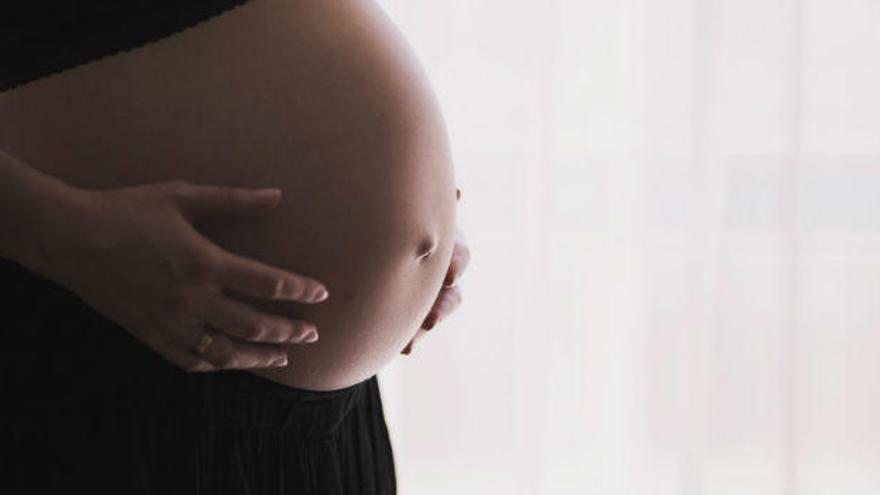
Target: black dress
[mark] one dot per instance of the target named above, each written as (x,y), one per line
(88,408)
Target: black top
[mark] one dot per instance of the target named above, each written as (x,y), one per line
(42,37)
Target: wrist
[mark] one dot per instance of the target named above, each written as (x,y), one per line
(46,227)
(58,226)
(39,216)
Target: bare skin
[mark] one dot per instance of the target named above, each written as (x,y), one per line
(133,255)
(320,99)
(449,298)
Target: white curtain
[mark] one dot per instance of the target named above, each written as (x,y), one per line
(674,214)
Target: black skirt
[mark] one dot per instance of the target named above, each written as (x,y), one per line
(88,407)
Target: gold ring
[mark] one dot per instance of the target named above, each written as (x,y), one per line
(203,344)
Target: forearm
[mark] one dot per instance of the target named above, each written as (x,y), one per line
(32,206)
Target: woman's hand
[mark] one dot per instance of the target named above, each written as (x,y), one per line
(450,294)
(133,255)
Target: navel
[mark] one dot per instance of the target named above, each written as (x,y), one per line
(426,247)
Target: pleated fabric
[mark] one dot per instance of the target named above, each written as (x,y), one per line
(88,407)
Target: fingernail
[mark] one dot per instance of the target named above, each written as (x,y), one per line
(312,336)
(321,295)
(303,335)
(282,361)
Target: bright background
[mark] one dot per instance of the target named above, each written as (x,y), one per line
(674,214)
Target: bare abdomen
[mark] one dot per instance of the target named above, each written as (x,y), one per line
(321,99)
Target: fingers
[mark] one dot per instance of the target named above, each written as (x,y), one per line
(461,256)
(227,353)
(258,279)
(196,201)
(246,323)
(413,341)
(187,361)
(243,274)
(447,301)
(172,352)
(178,342)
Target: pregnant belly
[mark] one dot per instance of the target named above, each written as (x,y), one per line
(321,99)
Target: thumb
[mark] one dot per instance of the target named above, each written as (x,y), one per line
(199,201)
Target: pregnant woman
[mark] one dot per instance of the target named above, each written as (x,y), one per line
(171,330)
